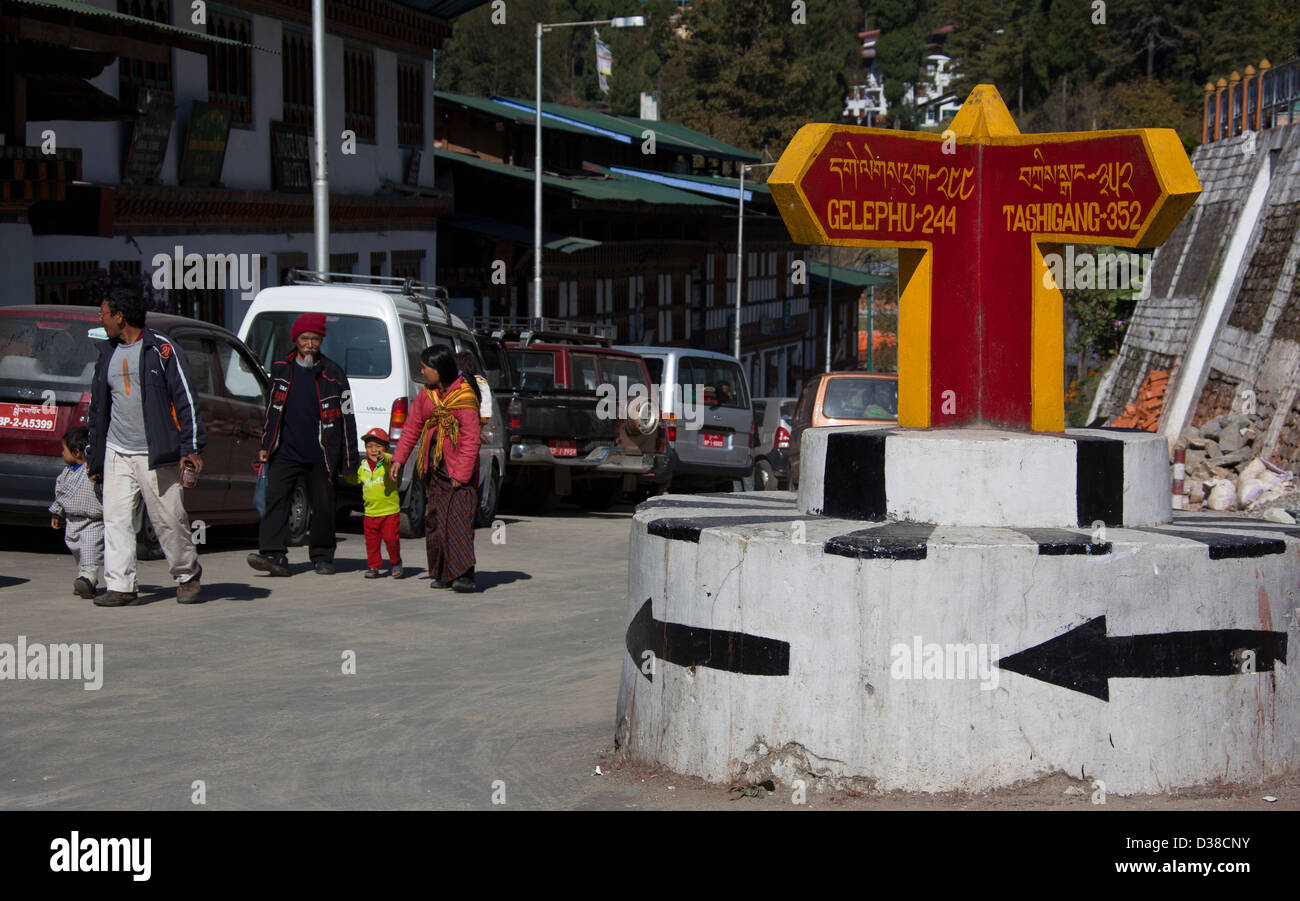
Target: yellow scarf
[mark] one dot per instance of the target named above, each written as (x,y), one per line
(442,426)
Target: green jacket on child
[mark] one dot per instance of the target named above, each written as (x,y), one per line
(378,490)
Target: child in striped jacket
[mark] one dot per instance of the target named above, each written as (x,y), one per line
(77,503)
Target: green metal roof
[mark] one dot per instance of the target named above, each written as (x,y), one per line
(588,120)
(501,111)
(713,185)
(77,7)
(853,277)
(522,234)
(689,136)
(626,130)
(623,129)
(605,186)
(443,9)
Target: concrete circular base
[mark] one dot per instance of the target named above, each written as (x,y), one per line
(986,477)
(904,656)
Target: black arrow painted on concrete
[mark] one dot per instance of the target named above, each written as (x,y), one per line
(733,652)
(1084,658)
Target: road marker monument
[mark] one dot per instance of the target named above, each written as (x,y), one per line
(981,338)
(850,632)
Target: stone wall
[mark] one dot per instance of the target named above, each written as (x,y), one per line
(1256,344)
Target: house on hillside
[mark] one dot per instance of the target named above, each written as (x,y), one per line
(931,94)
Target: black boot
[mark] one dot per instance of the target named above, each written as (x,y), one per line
(465,582)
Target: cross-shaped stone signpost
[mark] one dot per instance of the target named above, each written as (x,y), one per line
(981,331)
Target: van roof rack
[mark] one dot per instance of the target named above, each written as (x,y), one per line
(526,329)
(422,293)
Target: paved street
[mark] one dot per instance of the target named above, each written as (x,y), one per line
(451,693)
(246,691)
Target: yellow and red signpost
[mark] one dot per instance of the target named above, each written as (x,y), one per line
(973,213)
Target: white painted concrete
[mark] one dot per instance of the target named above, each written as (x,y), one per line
(841,712)
(991,477)
(1181,397)
(812,463)
(973,477)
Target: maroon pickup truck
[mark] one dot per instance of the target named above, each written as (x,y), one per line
(574,424)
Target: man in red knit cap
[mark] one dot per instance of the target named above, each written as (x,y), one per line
(310,435)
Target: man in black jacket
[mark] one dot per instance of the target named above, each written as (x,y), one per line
(310,435)
(144,425)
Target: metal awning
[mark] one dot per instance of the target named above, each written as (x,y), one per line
(714,185)
(70,22)
(443,9)
(51,97)
(600,187)
(520,234)
(854,278)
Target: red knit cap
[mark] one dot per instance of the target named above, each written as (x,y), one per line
(308,322)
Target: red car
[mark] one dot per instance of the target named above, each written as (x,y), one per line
(47,360)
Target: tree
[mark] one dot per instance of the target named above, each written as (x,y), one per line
(490,59)
(1244,32)
(486,58)
(751,74)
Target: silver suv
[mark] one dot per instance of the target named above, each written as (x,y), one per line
(707,417)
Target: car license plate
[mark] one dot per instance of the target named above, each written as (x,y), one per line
(713,439)
(27,417)
(564,448)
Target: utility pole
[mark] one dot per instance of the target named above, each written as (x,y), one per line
(320,182)
(830,283)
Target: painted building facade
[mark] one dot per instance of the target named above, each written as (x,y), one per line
(258,200)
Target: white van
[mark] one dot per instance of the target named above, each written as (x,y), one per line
(375,329)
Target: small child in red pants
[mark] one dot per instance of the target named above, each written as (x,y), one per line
(378,479)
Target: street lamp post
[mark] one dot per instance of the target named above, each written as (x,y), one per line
(542,28)
(320,179)
(830,283)
(740,248)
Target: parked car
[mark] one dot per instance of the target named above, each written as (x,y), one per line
(842,398)
(47,361)
(708,422)
(772,417)
(565,432)
(375,329)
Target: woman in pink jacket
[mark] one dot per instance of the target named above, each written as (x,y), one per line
(443,430)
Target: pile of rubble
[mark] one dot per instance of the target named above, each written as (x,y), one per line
(1225,471)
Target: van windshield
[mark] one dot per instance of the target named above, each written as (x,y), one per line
(357,343)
